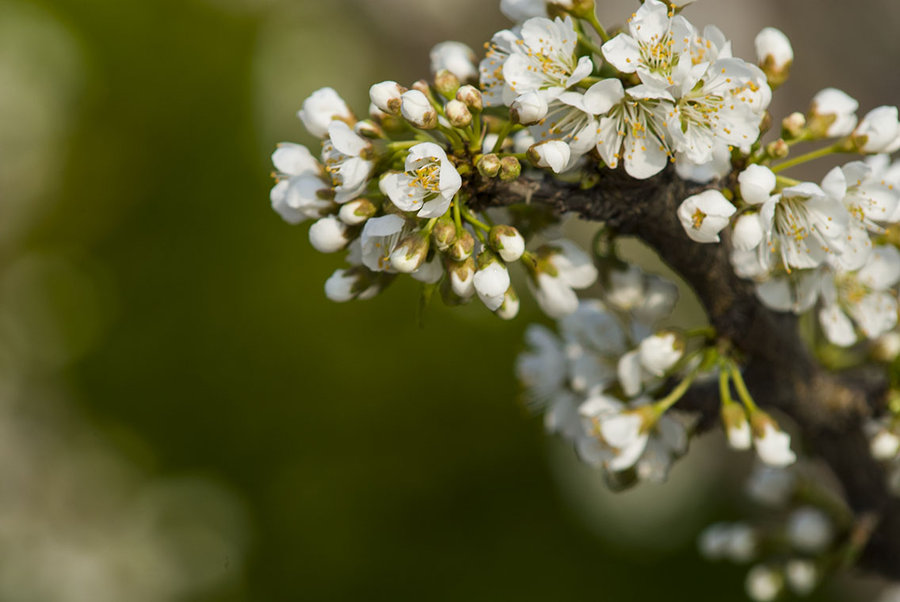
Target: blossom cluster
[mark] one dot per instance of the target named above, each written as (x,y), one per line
(604,383)
(679,96)
(803,543)
(411,190)
(389,190)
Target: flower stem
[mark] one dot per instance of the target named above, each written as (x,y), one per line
(504,132)
(678,392)
(741,387)
(589,44)
(724,389)
(810,156)
(598,27)
(475,221)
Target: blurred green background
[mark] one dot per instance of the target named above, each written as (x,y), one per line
(186,417)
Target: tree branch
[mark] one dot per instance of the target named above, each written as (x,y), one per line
(829,409)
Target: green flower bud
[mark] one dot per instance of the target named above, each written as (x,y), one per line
(489,165)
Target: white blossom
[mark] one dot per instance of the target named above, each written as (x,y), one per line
(704,215)
(320,108)
(348,160)
(772,444)
(756,184)
(634,130)
(836,110)
(554,154)
(773,49)
(328,235)
(491,281)
(660,352)
(522,10)
(803,225)
(540,58)
(747,232)
(528,108)
(462,278)
(866,295)
(299,193)
(416,109)
(387,96)
(571,117)
(653,46)
(455,57)
(878,132)
(378,239)
(428,183)
(562,267)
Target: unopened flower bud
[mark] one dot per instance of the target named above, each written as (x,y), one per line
(417,110)
(510,168)
(328,235)
(491,280)
(446,83)
(462,247)
(455,58)
(737,427)
(747,232)
(462,277)
(773,446)
(471,96)
(507,241)
(353,283)
(489,165)
(554,154)
(777,149)
(356,212)
(528,108)
(458,114)
(444,233)
(410,253)
(887,347)
(775,55)
(878,132)
(509,309)
(832,114)
(793,126)
(367,128)
(661,351)
(387,96)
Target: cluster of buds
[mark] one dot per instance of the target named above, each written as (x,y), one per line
(392,190)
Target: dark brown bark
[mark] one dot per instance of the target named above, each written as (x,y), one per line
(781,373)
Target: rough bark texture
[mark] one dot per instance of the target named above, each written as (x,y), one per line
(781,373)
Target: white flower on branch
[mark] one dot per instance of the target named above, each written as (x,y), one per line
(428,183)
(455,57)
(321,108)
(878,132)
(299,194)
(561,267)
(348,160)
(634,130)
(832,113)
(804,226)
(704,215)
(540,58)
